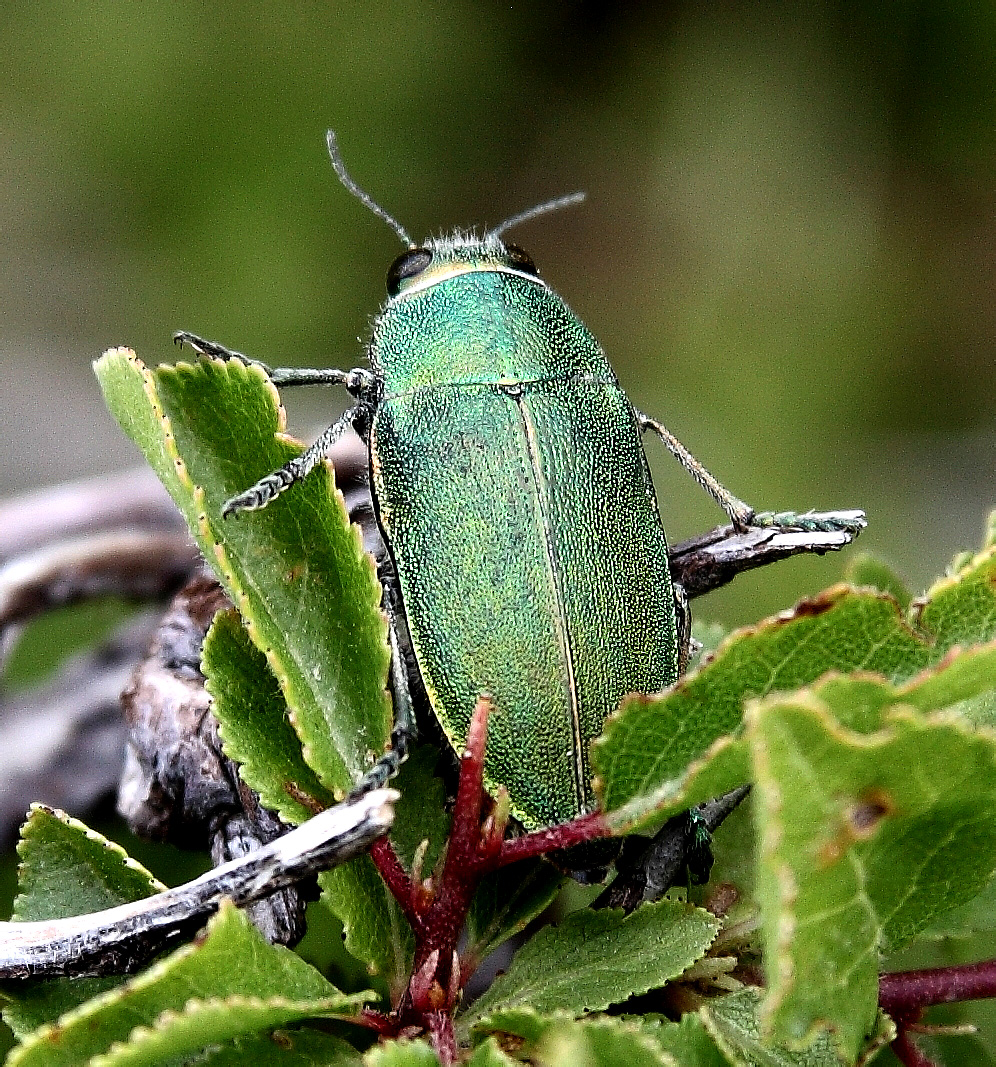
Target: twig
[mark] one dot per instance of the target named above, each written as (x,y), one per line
(63,743)
(713,559)
(133,499)
(904,993)
(124,937)
(134,564)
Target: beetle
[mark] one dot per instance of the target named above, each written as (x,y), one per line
(511,487)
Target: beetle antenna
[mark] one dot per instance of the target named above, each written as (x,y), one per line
(364,198)
(540,209)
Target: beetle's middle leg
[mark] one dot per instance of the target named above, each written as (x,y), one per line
(294,470)
(683,617)
(742,514)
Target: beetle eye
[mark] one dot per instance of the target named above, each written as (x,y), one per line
(406,266)
(520,259)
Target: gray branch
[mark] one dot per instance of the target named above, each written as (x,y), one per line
(713,559)
(123,938)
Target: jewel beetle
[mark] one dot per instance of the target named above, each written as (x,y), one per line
(513,493)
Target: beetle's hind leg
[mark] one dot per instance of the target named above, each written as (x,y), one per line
(357,381)
(742,514)
(683,617)
(405,730)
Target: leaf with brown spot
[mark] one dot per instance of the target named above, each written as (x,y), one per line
(659,754)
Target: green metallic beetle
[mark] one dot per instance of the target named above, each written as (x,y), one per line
(514,496)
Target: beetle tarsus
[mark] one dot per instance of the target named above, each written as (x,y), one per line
(266,489)
(852,522)
(203,347)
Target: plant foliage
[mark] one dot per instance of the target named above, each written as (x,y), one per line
(865,720)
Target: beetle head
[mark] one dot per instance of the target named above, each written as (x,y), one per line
(438,258)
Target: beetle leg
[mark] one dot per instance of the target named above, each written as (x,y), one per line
(741,514)
(683,616)
(405,729)
(357,381)
(294,470)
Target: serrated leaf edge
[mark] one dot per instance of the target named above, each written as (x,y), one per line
(272,797)
(608,1022)
(490,1024)
(672,795)
(238,594)
(685,910)
(242,598)
(31,826)
(325,1007)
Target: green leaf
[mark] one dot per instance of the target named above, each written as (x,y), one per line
(734,845)
(421,813)
(284,1048)
(253,723)
(601,1042)
(865,569)
(66,869)
(733,1023)
(489,1054)
(200,1024)
(866,838)
(686,1041)
(401,1054)
(230,960)
(975,916)
(295,570)
(557,1038)
(375,931)
(709,635)
(597,958)
(957,1050)
(661,754)
(522,1021)
(506,902)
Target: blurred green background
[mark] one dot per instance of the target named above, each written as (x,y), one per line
(787,250)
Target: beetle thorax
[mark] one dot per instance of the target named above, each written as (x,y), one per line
(469,311)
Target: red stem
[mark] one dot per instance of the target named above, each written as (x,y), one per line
(538,843)
(466,829)
(908,1053)
(440,1027)
(377,1021)
(905,993)
(438,909)
(397,880)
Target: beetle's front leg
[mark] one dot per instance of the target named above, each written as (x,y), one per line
(742,515)
(357,381)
